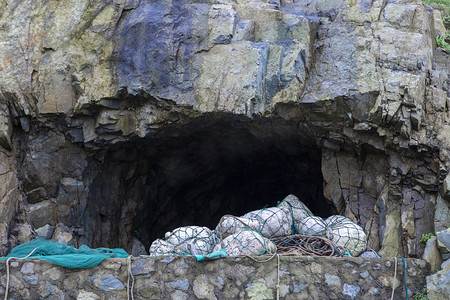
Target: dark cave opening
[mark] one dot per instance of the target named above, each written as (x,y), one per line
(197,174)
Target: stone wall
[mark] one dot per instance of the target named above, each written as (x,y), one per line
(229,278)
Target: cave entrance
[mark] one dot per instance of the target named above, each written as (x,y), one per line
(197,174)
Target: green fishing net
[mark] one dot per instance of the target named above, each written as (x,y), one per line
(188,240)
(63,255)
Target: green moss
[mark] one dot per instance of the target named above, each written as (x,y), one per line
(421,295)
(441,43)
(442,5)
(425,237)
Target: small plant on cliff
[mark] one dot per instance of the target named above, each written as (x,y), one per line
(421,295)
(441,43)
(425,237)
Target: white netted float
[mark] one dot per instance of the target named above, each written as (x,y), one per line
(312,226)
(297,209)
(346,233)
(229,225)
(251,233)
(188,240)
(246,242)
(273,221)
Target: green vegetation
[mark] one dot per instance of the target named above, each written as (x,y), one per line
(442,5)
(425,237)
(441,43)
(421,295)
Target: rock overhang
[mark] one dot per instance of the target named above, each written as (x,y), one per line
(334,68)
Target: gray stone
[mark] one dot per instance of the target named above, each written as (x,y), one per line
(142,266)
(31,279)
(432,255)
(351,290)
(37,195)
(168,259)
(444,237)
(137,248)
(442,214)
(373,291)
(41,213)
(86,295)
(182,284)
(50,289)
(109,283)
(63,234)
(203,289)
(54,273)
(298,287)
(368,254)
(365,274)
(27,268)
(45,231)
(332,280)
(438,284)
(23,232)
(6,128)
(179,295)
(446,188)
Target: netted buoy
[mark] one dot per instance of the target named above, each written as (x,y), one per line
(188,240)
(246,242)
(312,226)
(297,209)
(346,233)
(229,225)
(273,221)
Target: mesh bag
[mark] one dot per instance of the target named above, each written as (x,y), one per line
(229,225)
(161,247)
(273,221)
(246,242)
(188,240)
(297,209)
(346,233)
(312,226)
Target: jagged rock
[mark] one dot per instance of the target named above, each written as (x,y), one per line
(432,254)
(23,232)
(5,128)
(41,213)
(63,234)
(45,231)
(137,248)
(438,285)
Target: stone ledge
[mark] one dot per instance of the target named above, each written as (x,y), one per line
(229,278)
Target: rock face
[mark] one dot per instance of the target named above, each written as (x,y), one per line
(125,119)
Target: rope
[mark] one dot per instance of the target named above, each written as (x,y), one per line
(130,274)
(395,277)
(278,275)
(404,275)
(7,270)
(307,245)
